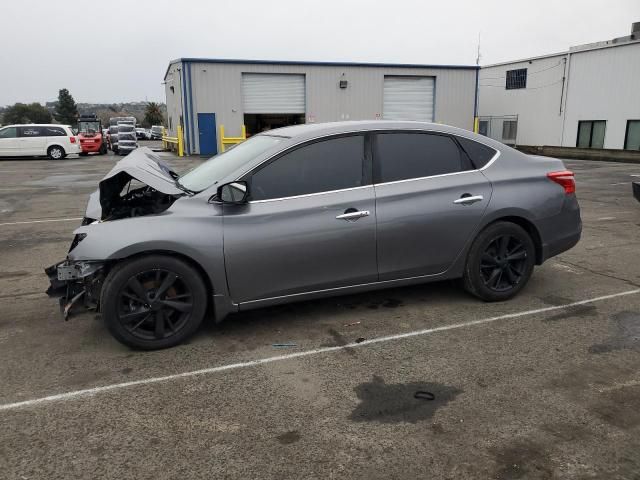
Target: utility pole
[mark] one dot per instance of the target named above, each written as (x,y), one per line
(476,119)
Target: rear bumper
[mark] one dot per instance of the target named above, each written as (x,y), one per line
(91,147)
(562,231)
(636,190)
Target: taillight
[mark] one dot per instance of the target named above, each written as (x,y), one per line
(72,139)
(565,179)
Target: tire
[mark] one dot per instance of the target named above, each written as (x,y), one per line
(139,318)
(103,149)
(500,262)
(56,152)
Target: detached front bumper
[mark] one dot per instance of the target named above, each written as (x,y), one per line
(75,283)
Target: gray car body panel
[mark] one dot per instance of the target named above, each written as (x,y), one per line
(277,251)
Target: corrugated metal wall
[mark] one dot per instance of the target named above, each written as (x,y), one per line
(216,88)
(604,84)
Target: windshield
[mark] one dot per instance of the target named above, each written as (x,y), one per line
(218,167)
(89,127)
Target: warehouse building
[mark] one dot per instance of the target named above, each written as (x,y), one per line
(204,95)
(586,97)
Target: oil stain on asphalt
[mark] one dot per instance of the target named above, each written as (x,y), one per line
(626,334)
(395,402)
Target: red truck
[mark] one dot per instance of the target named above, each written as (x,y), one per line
(90,135)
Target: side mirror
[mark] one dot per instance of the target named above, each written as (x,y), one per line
(234,192)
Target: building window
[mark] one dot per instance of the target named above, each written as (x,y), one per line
(632,136)
(509,131)
(591,134)
(516,79)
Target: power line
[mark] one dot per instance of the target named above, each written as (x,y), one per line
(528,73)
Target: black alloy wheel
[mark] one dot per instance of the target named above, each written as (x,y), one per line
(153,302)
(502,263)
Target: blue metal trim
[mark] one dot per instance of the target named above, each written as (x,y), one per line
(327,64)
(187,125)
(192,122)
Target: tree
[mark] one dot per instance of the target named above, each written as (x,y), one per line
(153,114)
(66,108)
(22,113)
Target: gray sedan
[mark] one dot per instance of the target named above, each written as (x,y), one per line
(310,211)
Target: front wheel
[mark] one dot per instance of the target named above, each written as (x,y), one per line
(500,262)
(153,302)
(56,152)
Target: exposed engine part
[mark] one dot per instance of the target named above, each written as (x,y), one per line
(138,202)
(76,283)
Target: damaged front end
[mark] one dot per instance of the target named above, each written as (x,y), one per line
(141,184)
(76,283)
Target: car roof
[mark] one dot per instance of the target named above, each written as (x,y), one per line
(314,130)
(36,125)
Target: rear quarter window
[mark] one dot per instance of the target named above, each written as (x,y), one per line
(479,154)
(54,132)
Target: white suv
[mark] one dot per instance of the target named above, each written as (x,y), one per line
(54,141)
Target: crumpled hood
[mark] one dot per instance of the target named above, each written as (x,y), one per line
(142,165)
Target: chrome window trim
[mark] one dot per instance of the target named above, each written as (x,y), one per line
(312,194)
(364,132)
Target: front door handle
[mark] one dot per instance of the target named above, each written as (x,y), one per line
(349,214)
(468,200)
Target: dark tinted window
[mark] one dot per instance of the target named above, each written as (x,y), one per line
(478,153)
(31,132)
(319,167)
(54,132)
(400,156)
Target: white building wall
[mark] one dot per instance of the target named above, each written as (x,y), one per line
(173,96)
(537,106)
(604,84)
(216,88)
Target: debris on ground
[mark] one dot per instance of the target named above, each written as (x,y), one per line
(351,324)
(283,345)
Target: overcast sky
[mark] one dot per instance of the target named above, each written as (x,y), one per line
(118,50)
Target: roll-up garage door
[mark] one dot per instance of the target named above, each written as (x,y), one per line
(408,98)
(273,93)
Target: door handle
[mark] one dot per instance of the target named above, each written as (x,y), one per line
(348,215)
(468,200)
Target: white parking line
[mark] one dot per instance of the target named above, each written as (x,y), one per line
(42,221)
(306,353)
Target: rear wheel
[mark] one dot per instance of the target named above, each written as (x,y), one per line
(103,149)
(153,302)
(56,152)
(500,262)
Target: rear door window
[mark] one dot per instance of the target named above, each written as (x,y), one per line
(31,132)
(403,156)
(333,164)
(479,154)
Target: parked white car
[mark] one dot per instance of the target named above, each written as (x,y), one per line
(54,141)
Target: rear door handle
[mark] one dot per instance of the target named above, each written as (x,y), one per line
(353,215)
(468,200)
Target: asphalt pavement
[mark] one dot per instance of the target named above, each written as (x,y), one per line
(418,382)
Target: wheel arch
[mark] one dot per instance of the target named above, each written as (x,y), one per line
(181,256)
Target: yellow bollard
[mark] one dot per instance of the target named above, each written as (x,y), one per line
(180,142)
(476,124)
